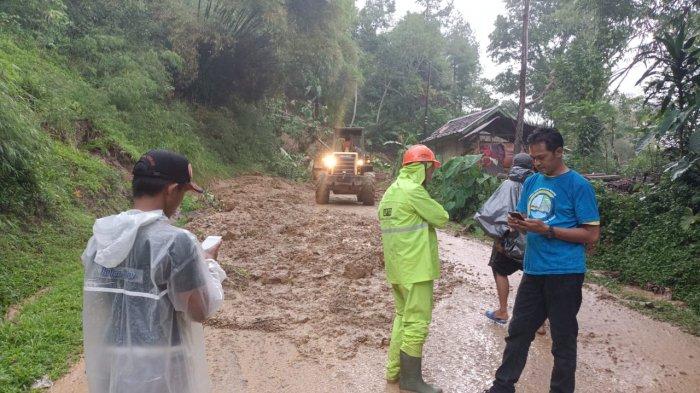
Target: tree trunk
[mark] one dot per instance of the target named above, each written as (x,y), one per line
(615,156)
(381,101)
(680,132)
(458,97)
(606,155)
(354,108)
(523,73)
(427,101)
(207,12)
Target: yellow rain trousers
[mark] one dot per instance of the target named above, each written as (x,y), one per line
(408,217)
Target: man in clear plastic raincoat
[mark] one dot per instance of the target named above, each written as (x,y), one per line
(148,286)
(408,217)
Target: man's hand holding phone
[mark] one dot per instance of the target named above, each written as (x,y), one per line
(516,221)
(211,247)
(516,216)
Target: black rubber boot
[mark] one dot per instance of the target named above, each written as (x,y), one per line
(411,376)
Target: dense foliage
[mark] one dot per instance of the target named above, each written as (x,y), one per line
(674,88)
(429,59)
(650,238)
(574,46)
(219,81)
(461,186)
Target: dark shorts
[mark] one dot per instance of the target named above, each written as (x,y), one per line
(502,264)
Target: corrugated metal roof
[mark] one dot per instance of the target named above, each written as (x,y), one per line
(474,121)
(460,124)
(477,129)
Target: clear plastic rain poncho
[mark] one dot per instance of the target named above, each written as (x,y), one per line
(493,215)
(146,284)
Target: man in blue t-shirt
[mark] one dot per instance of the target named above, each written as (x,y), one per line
(561,219)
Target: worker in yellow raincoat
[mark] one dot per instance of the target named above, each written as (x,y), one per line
(408,217)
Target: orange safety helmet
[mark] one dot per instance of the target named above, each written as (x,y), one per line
(420,153)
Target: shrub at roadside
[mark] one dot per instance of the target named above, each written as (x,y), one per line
(462,187)
(650,238)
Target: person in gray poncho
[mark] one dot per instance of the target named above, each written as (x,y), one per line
(509,246)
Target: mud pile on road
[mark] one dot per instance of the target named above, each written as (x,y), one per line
(311,274)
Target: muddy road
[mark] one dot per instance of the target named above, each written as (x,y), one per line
(308,310)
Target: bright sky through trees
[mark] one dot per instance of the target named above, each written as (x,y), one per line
(481,16)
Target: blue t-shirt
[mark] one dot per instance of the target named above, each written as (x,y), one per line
(564,201)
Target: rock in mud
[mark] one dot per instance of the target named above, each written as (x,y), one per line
(355,271)
(275,278)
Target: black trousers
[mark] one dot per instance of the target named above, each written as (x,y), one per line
(553,297)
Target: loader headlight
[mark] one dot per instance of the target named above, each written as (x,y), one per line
(329,161)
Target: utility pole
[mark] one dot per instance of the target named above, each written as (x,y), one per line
(523,73)
(427,102)
(454,86)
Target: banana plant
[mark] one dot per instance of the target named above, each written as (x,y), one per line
(461,186)
(673,82)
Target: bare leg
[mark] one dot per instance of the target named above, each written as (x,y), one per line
(502,288)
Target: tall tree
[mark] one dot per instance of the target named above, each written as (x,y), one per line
(376,16)
(521,82)
(572,47)
(462,53)
(322,58)
(437,9)
(397,63)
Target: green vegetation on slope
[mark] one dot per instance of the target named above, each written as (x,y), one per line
(650,239)
(78,105)
(45,335)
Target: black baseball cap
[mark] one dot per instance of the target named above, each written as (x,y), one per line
(166,165)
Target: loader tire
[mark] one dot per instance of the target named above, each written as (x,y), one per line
(367,194)
(322,190)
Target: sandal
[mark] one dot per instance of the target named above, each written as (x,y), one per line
(492,316)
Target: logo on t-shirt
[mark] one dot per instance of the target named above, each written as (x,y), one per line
(540,205)
(387,212)
(124,273)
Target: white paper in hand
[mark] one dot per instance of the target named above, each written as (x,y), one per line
(210,242)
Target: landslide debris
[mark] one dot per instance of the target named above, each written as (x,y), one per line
(310,273)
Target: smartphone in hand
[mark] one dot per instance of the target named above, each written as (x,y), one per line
(516,216)
(210,242)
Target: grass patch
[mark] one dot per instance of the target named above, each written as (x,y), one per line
(190,204)
(193,203)
(35,256)
(679,315)
(46,336)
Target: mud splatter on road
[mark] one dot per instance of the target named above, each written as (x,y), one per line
(312,275)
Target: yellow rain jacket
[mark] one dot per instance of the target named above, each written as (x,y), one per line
(408,217)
